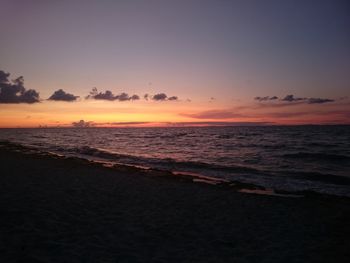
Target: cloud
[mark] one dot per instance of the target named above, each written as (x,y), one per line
(4,77)
(331,114)
(213,114)
(286,114)
(160,97)
(135,97)
(266,98)
(14,91)
(291,98)
(61,95)
(108,95)
(146,96)
(274,105)
(318,100)
(129,123)
(173,98)
(217,123)
(122,97)
(82,124)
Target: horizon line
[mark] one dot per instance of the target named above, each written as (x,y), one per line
(173,125)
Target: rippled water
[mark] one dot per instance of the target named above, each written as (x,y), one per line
(290,158)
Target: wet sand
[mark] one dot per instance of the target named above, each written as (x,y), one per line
(68,210)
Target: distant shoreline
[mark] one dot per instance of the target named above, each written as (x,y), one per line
(176,126)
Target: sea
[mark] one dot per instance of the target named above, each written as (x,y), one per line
(284,158)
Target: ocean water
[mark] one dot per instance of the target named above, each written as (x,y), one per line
(290,158)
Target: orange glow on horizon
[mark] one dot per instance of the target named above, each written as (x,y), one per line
(151,114)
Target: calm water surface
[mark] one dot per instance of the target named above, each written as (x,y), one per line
(289,158)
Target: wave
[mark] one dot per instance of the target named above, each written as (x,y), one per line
(286,180)
(160,163)
(214,170)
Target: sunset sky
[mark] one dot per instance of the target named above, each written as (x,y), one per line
(199,62)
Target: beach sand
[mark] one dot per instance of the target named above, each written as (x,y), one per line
(55,209)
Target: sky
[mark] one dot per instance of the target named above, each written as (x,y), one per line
(198,62)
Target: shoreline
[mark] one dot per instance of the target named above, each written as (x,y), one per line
(56,209)
(193,177)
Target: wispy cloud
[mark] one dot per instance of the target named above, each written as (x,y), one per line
(126,123)
(318,100)
(213,114)
(82,124)
(330,114)
(286,114)
(218,123)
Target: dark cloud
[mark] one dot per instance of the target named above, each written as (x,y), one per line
(122,97)
(266,98)
(61,95)
(108,95)
(82,124)
(173,98)
(146,96)
(125,97)
(213,114)
(4,77)
(134,97)
(291,98)
(318,100)
(160,97)
(14,91)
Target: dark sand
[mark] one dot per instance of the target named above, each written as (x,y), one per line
(66,210)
